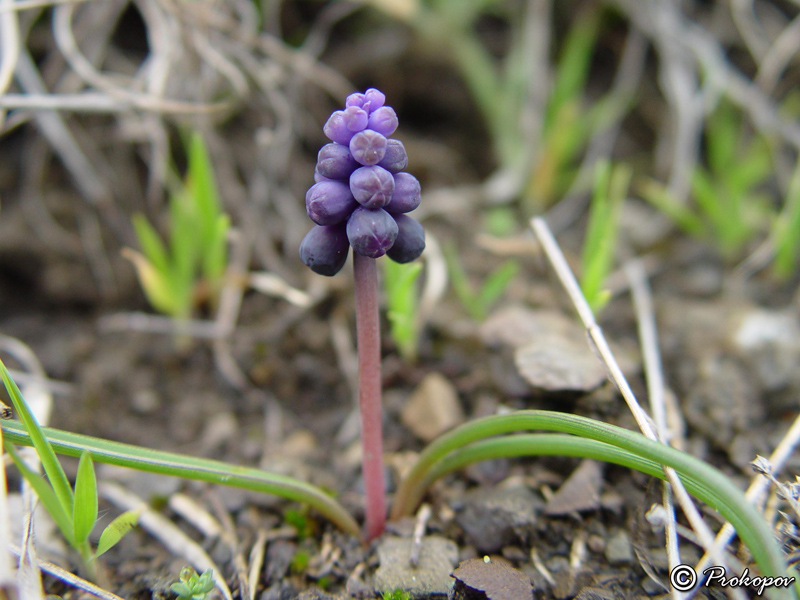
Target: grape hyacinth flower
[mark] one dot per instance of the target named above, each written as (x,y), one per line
(360,199)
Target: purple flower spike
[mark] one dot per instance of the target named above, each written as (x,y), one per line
(372,187)
(368,147)
(383,120)
(334,161)
(406,196)
(371,231)
(329,202)
(395,159)
(324,249)
(375,98)
(355,118)
(410,240)
(336,128)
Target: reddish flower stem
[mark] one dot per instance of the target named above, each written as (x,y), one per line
(369,391)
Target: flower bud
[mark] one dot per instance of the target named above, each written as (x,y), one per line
(334,161)
(375,98)
(355,118)
(406,196)
(329,202)
(372,186)
(336,128)
(410,241)
(371,231)
(356,99)
(324,249)
(383,120)
(395,158)
(368,147)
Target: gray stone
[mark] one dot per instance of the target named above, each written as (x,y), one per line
(429,579)
(618,549)
(496,517)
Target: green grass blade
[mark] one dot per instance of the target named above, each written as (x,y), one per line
(786,231)
(215,254)
(115,531)
(45,493)
(188,467)
(84,509)
(55,473)
(401,296)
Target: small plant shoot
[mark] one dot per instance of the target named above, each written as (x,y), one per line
(189,268)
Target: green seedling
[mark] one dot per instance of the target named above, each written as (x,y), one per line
(46,440)
(599,243)
(193,586)
(74,510)
(189,269)
(402,297)
(588,438)
(478,303)
(300,520)
(397,594)
(730,205)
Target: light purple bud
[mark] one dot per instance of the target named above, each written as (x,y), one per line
(324,249)
(372,186)
(368,147)
(376,98)
(355,118)
(395,159)
(336,128)
(383,120)
(371,231)
(356,99)
(334,161)
(410,241)
(406,196)
(329,202)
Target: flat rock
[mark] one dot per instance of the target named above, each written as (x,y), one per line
(493,518)
(550,349)
(429,579)
(580,492)
(433,408)
(495,579)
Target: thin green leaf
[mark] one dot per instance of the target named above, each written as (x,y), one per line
(215,254)
(496,283)
(84,510)
(45,493)
(657,194)
(152,246)
(55,473)
(116,530)
(401,295)
(575,60)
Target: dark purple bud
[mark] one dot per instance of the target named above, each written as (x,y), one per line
(356,99)
(329,202)
(368,147)
(383,120)
(334,161)
(324,249)
(355,118)
(406,195)
(395,159)
(372,186)
(375,98)
(336,128)
(410,240)
(371,231)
